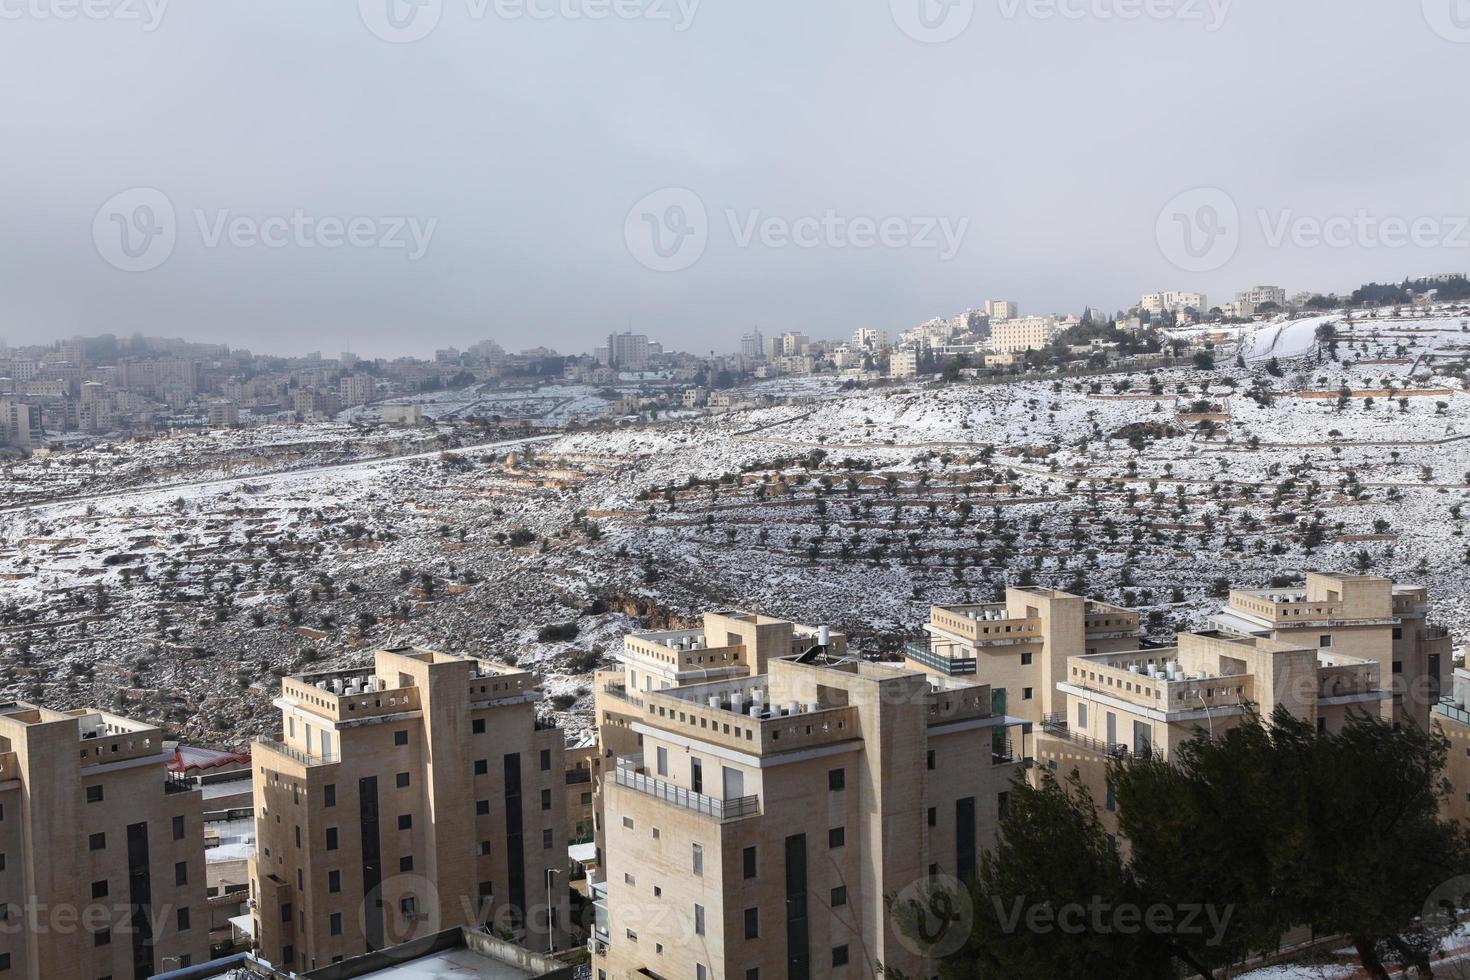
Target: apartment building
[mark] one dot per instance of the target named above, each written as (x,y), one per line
(20,424)
(1451,717)
(1360,616)
(1248,301)
(1001,309)
(903,363)
(870,339)
(101,850)
(1029,333)
(1020,646)
(402,800)
(356,389)
(757,816)
(1171,302)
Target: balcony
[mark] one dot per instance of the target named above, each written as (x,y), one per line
(1057,728)
(620,691)
(922,652)
(295,755)
(744,806)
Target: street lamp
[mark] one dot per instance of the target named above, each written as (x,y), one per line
(550,914)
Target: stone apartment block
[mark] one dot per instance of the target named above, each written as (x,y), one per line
(403,800)
(101,851)
(1020,647)
(765,791)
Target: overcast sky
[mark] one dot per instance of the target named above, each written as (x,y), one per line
(485,180)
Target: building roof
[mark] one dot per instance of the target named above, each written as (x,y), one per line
(194,758)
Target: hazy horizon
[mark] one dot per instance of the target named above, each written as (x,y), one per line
(694,169)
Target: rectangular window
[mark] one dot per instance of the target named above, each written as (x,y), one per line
(1082,715)
(482,767)
(747,860)
(1324,641)
(99,889)
(546,760)
(699,920)
(839,955)
(547,839)
(331,838)
(663,761)
(929,759)
(839,896)
(1026,693)
(181,873)
(933,816)
(836,837)
(183,920)
(477,726)
(400,737)
(334,924)
(546,799)
(405,863)
(752,924)
(401,780)
(334,882)
(836,779)
(102,937)
(698,860)
(1025,660)
(329,795)
(405,821)
(482,808)
(178,828)
(94,794)
(96,842)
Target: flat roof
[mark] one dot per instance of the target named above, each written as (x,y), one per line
(453,964)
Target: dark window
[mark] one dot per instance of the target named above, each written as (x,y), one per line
(400,737)
(99,889)
(286,912)
(839,896)
(478,726)
(181,873)
(748,858)
(546,840)
(930,759)
(1325,640)
(331,838)
(837,837)
(288,954)
(839,955)
(798,953)
(752,923)
(482,767)
(329,794)
(1001,799)
(4,961)
(94,794)
(964,838)
(546,799)
(836,778)
(405,821)
(102,937)
(545,760)
(405,863)
(334,882)
(482,807)
(96,842)
(183,920)
(178,828)
(401,780)
(334,923)
(933,816)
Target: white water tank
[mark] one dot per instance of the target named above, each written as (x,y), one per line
(824,635)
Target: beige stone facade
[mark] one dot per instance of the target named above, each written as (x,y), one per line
(101,851)
(767,791)
(403,800)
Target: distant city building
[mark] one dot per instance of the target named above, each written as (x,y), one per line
(1030,333)
(626,352)
(356,389)
(870,339)
(20,424)
(223,415)
(1249,301)
(1001,309)
(752,346)
(903,363)
(1157,303)
(403,414)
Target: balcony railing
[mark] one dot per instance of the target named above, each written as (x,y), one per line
(620,692)
(1451,710)
(578,776)
(743,806)
(305,758)
(1060,729)
(921,651)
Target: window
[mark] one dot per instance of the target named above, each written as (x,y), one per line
(839,896)
(331,838)
(698,859)
(1001,799)
(747,860)
(1398,666)
(837,837)
(181,873)
(408,905)
(286,912)
(1026,693)
(334,924)
(334,882)
(405,863)
(484,848)
(754,973)
(400,737)
(1398,633)
(288,954)
(546,760)
(929,759)
(183,920)
(96,842)
(752,924)
(401,780)
(628,823)
(482,767)
(1025,660)
(99,889)
(405,821)
(1081,715)
(4,961)
(1112,799)
(482,808)
(839,955)
(178,827)
(836,779)
(487,890)
(699,920)
(102,937)
(1324,641)
(629,879)
(933,816)
(94,794)
(477,726)
(329,795)
(663,761)
(546,799)
(547,839)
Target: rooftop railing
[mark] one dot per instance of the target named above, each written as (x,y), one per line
(742,806)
